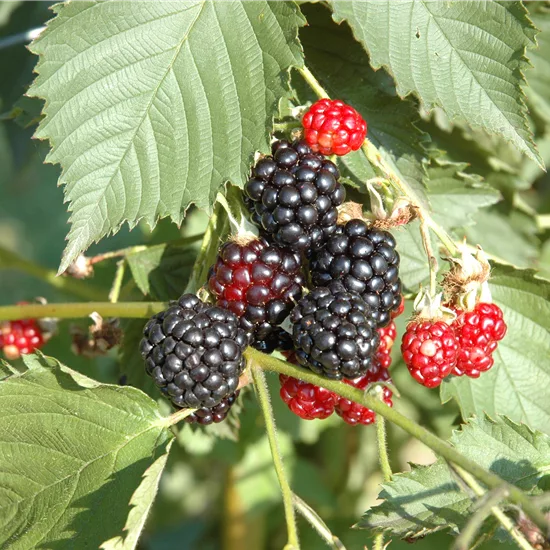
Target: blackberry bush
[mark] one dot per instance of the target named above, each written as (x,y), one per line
(293,195)
(365,261)
(259,283)
(334,332)
(193,352)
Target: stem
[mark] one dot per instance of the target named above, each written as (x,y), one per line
(492,505)
(140,310)
(427,241)
(117,282)
(384,466)
(82,289)
(317,523)
(313,82)
(383,447)
(263,397)
(176,417)
(438,445)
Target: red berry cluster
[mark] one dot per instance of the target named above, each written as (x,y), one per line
(310,402)
(333,128)
(20,337)
(433,349)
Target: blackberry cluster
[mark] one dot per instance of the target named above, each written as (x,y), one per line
(365,261)
(259,283)
(193,351)
(293,196)
(334,332)
(206,416)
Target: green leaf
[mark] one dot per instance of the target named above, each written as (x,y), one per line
(342,67)
(466,57)
(77,451)
(429,499)
(517,384)
(455,196)
(538,77)
(162,271)
(142,500)
(156,109)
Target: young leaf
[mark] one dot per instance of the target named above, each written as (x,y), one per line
(142,500)
(429,498)
(151,107)
(343,69)
(518,382)
(74,452)
(466,57)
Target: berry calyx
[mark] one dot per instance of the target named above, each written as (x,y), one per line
(20,337)
(353,413)
(306,400)
(258,282)
(333,128)
(430,350)
(387,336)
(365,261)
(206,416)
(478,333)
(194,352)
(334,332)
(293,195)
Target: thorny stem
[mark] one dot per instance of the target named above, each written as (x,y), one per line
(260,384)
(123,252)
(427,241)
(503,519)
(439,446)
(383,458)
(117,282)
(145,310)
(388,173)
(82,289)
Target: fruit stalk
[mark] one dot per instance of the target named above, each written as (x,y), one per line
(262,391)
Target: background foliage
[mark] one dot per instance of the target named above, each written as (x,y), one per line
(159,127)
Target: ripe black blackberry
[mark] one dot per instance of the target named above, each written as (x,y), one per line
(258,282)
(293,196)
(215,414)
(334,332)
(365,261)
(279,339)
(193,351)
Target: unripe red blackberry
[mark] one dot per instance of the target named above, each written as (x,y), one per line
(430,349)
(306,400)
(258,282)
(215,414)
(353,413)
(20,337)
(387,336)
(333,128)
(293,196)
(334,332)
(365,261)
(478,333)
(194,352)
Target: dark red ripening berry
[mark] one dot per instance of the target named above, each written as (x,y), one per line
(20,337)
(430,350)
(333,128)
(306,400)
(259,283)
(478,333)
(354,413)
